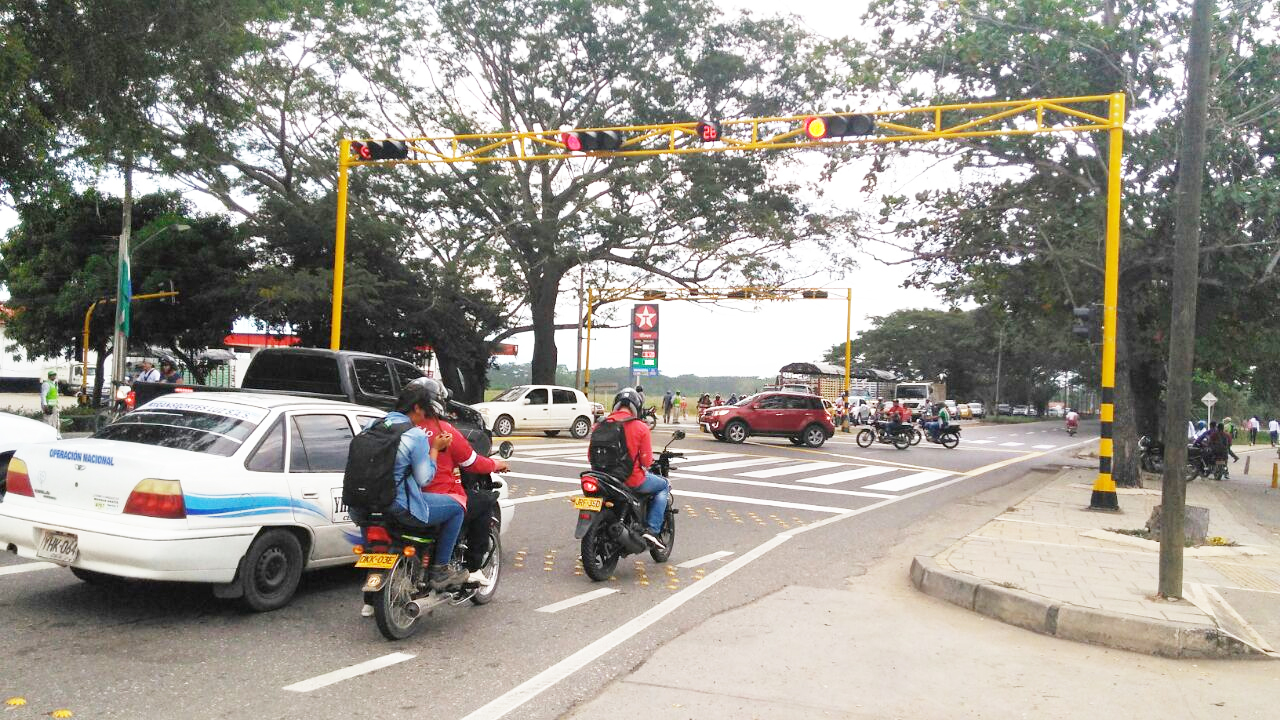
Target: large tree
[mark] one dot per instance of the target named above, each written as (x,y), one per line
(1027,220)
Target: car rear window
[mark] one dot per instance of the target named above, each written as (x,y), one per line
(564,397)
(186,425)
(294,371)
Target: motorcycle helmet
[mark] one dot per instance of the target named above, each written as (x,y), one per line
(1200,425)
(630,399)
(429,393)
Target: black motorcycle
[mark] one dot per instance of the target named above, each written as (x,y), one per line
(948,437)
(397,559)
(611,518)
(650,417)
(1150,455)
(880,432)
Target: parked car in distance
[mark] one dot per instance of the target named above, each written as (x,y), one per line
(952,408)
(797,388)
(977,410)
(1019,410)
(1031,412)
(963,412)
(800,418)
(1004,409)
(548,408)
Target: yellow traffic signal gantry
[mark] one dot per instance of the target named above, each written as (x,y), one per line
(958,121)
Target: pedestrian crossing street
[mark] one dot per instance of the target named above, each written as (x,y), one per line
(759,470)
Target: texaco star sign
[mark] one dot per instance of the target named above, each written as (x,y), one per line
(646,318)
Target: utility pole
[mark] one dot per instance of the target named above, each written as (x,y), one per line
(999,360)
(577,373)
(1186,276)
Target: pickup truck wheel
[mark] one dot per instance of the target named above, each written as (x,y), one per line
(503,426)
(736,432)
(581,427)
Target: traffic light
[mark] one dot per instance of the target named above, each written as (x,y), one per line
(1086,325)
(818,127)
(738,295)
(387,149)
(360,151)
(591,140)
(814,294)
(708,130)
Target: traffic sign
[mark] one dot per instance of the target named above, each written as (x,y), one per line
(1209,400)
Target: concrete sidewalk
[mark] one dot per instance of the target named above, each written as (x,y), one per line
(1051,565)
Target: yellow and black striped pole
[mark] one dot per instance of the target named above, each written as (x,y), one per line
(1104,488)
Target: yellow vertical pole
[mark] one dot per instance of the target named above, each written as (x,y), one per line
(84,352)
(848,343)
(340,246)
(586,364)
(1104,488)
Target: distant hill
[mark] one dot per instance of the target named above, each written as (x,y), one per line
(505,376)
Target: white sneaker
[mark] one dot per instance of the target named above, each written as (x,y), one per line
(479,578)
(653,542)
(366,611)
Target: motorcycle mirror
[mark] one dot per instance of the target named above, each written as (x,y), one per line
(506,449)
(677,435)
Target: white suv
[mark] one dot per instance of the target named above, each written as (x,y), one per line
(549,408)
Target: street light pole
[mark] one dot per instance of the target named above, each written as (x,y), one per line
(124,293)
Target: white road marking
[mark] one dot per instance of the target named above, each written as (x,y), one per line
(741,464)
(907,481)
(563,450)
(576,600)
(760,501)
(347,673)
(791,469)
(980,442)
(846,475)
(708,456)
(1044,447)
(27,567)
(548,496)
(1012,444)
(543,446)
(705,559)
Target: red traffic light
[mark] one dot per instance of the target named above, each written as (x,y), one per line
(708,131)
(591,140)
(360,151)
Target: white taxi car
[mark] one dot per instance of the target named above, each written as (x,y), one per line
(549,408)
(16,431)
(242,490)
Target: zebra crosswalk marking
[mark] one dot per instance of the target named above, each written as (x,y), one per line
(791,469)
(846,475)
(579,450)
(708,456)
(980,442)
(907,481)
(1012,444)
(714,467)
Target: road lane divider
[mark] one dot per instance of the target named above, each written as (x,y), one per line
(705,559)
(576,600)
(349,672)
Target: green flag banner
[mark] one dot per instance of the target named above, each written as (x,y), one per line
(125,293)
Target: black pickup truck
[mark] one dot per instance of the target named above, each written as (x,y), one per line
(344,375)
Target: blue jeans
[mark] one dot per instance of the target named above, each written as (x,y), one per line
(442,510)
(660,490)
(933,426)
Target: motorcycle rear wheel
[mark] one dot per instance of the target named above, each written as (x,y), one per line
(1191,472)
(390,601)
(916,435)
(865,437)
(492,569)
(902,441)
(949,440)
(667,537)
(599,554)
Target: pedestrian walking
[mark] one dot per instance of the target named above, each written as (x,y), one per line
(1254,427)
(667,404)
(681,402)
(149,372)
(1273,427)
(49,401)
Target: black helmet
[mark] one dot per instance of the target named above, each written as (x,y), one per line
(629,398)
(428,393)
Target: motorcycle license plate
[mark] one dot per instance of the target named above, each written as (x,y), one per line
(588,503)
(384,561)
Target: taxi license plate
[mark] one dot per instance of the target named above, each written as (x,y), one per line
(58,546)
(385,561)
(588,503)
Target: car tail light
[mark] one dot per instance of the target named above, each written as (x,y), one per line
(377,534)
(17,479)
(589,485)
(157,498)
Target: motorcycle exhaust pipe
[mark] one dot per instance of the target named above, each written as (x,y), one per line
(417,606)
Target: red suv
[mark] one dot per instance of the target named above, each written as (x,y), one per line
(802,419)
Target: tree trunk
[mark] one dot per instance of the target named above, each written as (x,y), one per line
(99,377)
(542,304)
(465,377)
(1186,277)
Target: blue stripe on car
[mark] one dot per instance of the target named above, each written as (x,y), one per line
(246,505)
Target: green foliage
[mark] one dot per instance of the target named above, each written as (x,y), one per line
(507,375)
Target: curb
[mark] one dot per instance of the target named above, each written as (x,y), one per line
(1072,622)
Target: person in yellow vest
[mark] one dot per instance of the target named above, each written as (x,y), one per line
(49,400)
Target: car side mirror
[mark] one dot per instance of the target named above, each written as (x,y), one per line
(527,401)
(506,449)
(677,435)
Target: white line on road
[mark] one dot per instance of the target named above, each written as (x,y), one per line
(562,450)
(708,456)
(576,600)
(847,475)
(792,469)
(980,442)
(27,567)
(907,481)
(548,496)
(543,446)
(1044,447)
(710,496)
(705,559)
(741,464)
(1012,444)
(347,673)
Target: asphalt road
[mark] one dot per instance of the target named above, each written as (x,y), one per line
(754,518)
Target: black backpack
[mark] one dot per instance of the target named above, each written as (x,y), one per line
(608,450)
(369,482)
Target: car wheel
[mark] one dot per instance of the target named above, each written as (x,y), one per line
(503,426)
(581,427)
(796,440)
(814,436)
(270,571)
(551,433)
(865,437)
(736,432)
